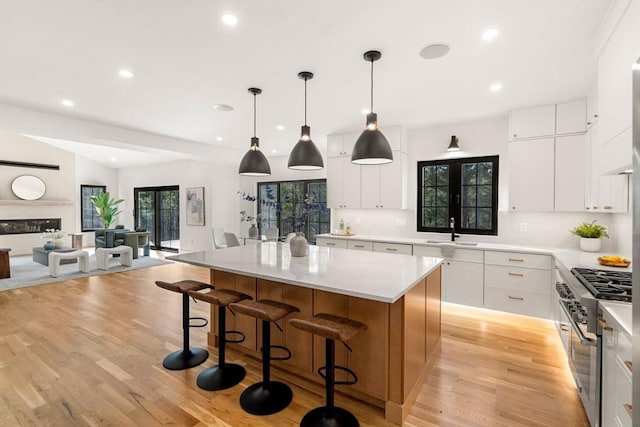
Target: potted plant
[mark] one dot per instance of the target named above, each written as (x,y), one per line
(590,235)
(106,207)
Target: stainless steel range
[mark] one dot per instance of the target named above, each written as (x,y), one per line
(578,291)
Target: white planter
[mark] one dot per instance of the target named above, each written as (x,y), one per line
(590,245)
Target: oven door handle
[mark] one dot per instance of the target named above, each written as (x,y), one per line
(583,340)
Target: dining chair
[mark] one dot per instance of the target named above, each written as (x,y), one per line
(231,239)
(271,234)
(219,241)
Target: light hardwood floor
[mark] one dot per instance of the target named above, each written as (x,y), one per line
(89,351)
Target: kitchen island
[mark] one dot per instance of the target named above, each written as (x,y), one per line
(396,296)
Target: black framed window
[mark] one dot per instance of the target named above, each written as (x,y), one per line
(294,206)
(463,189)
(88,216)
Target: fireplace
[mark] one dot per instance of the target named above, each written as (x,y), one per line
(28,226)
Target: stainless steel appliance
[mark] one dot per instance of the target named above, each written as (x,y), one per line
(578,291)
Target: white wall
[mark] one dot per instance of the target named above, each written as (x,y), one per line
(91,173)
(221,201)
(60,185)
(477,138)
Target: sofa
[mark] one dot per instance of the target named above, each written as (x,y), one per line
(112,237)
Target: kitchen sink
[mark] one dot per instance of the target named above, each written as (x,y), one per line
(441,242)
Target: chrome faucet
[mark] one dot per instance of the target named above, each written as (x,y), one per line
(452,226)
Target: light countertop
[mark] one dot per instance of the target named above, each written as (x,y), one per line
(370,275)
(621,312)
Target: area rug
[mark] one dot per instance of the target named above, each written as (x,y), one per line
(26,272)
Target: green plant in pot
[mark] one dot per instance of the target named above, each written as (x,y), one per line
(106,207)
(590,235)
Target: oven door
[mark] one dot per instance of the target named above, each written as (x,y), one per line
(583,360)
(564,327)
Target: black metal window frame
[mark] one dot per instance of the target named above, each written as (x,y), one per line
(88,214)
(158,232)
(286,225)
(454,195)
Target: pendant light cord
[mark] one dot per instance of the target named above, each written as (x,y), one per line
(371,110)
(305,101)
(254,115)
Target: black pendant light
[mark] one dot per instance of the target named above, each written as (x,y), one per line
(305,155)
(371,148)
(254,163)
(453,145)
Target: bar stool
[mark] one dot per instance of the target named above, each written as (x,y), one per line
(266,397)
(223,375)
(333,328)
(187,357)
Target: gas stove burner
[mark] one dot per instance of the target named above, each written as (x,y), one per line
(605,284)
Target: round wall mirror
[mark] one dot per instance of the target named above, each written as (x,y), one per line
(28,187)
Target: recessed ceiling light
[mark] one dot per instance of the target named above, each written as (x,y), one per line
(490,34)
(280,127)
(125,74)
(113,159)
(223,107)
(495,87)
(230,20)
(219,138)
(365,111)
(67,103)
(434,51)
(274,151)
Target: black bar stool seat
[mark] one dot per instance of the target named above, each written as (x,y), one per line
(332,328)
(266,397)
(187,357)
(223,375)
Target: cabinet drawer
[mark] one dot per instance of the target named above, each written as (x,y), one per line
(624,349)
(331,243)
(517,278)
(518,302)
(623,393)
(467,255)
(392,248)
(359,245)
(517,259)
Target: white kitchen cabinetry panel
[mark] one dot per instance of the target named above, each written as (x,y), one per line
(331,243)
(462,283)
(518,259)
(613,194)
(340,144)
(570,173)
(359,245)
(343,183)
(533,122)
(526,279)
(468,255)
(615,155)
(393,248)
(617,374)
(531,172)
(385,186)
(592,107)
(571,117)
(517,301)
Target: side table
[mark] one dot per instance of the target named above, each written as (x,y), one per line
(5,268)
(76,240)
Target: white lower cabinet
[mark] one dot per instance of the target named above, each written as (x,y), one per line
(393,248)
(360,245)
(331,243)
(616,374)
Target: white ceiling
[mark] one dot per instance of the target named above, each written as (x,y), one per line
(185,61)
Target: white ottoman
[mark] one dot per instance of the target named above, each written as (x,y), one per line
(102,256)
(55,257)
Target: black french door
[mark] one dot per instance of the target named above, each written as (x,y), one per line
(157,209)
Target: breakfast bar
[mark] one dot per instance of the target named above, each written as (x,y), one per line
(396,296)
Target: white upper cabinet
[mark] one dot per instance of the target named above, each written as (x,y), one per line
(340,144)
(533,122)
(531,175)
(343,183)
(570,173)
(592,107)
(385,186)
(571,117)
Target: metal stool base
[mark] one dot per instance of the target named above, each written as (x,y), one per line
(221,377)
(329,417)
(179,360)
(265,398)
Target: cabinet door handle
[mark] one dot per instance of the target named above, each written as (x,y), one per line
(601,321)
(587,207)
(392,249)
(595,207)
(516,298)
(513,207)
(516,260)
(596,116)
(515,135)
(330,244)
(588,123)
(629,409)
(608,207)
(564,328)
(516,274)
(359,246)
(629,365)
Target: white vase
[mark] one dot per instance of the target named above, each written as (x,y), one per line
(58,242)
(298,245)
(253,232)
(590,244)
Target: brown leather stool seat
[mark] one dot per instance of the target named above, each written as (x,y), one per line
(223,375)
(187,357)
(266,397)
(332,328)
